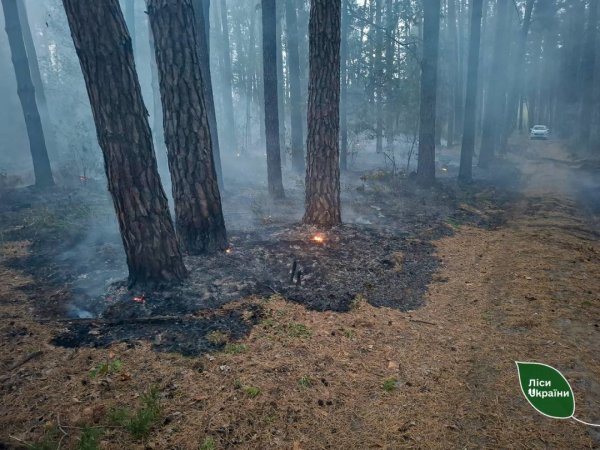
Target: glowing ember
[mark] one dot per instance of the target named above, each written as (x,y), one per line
(229,250)
(318,238)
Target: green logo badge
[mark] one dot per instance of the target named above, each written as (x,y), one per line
(547,390)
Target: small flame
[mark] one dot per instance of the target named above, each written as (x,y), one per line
(318,238)
(228,250)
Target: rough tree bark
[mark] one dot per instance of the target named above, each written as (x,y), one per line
(130,20)
(429,64)
(344,87)
(465,173)
(271,110)
(228,81)
(378,76)
(26,91)
(455,98)
(106,57)
(588,62)
(295,92)
(198,212)
(322,147)
(280,83)
(496,93)
(202,14)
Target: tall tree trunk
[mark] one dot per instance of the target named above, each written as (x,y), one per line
(106,57)
(495,97)
(587,74)
(378,76)
(202,15)
(390,49)
(198,212)
(271,110)
(280,82)
(295,90)
(26,91)
(468,136)
(36,78)
(228,81)
(429,65)
(455,94)
(322,146)
(344,87)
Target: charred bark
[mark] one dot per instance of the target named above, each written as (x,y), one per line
(322,162)
(295,91)
(465,173)
(429,64)
(344,87)
(271,110)
(198,212)
(106,57)
(26,91)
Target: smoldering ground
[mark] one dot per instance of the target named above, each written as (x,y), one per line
(382,254)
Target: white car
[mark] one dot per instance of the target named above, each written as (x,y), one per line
(539,132)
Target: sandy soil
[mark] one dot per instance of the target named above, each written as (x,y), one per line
(315,380)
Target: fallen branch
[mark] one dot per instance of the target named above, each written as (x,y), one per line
(23,360)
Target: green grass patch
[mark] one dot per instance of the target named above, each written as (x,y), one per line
(298,330)
(106,368)
(90,438)
(389,385)
(139,423)
(234,349)
(306,381)
(208,444)
(251,391)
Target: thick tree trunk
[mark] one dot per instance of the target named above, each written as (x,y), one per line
(344,87)
(26,91)
(429,65)
(106,57)
(587,74)
(390,49)
(271,110)
(228,82)
(202,14)
(496,93)
(295,90)
(322,147)
(465,173)
(198,212)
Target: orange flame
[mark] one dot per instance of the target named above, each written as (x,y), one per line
(318,238)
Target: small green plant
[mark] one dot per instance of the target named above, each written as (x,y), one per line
(356,302)
(90,438)
(252,391)
(217,337)
(140,422)
(208,444)
(234,349)
(389,385)
(106,367)
(49,441)
(350,334)
(298,330)
(305,381)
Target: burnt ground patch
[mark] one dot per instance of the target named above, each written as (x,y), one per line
(383,254)
(189,336)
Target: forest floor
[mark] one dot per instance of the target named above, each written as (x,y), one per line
(508,276)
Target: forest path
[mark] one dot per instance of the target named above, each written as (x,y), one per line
(527,292)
